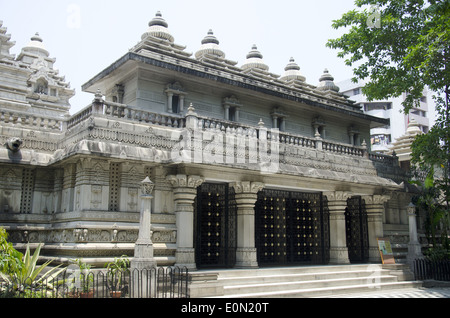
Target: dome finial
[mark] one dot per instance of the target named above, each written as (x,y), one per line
(158,20)
(292,72)
(254,60)
(36,37)
(210,46)
(326,82)
(36,44)
(210,38)
(158,28)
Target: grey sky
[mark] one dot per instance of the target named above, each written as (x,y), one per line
(87,36)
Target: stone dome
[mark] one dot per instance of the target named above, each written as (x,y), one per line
(158,28)
(326,82)
(254,60)
(292,72)
(210,45)
(36,46)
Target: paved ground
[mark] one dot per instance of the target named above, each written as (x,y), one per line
(423,292)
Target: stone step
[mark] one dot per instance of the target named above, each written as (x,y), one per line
(313,276)
(306,285)
(328,291)
(294,270)
(310,281)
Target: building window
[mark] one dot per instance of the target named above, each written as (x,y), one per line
(41,86)
(118,93)
(26,200)
(380,140)
(278,119)
(231,106)
(354,137)
(319,127)
(114,186)
(175,104)
(419,113)
(377,106)
(232,113)
(175,98)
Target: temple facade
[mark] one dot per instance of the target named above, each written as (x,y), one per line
(250,168)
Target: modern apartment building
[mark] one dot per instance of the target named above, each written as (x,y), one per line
(381,138)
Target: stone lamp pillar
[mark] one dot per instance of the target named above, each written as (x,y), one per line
(143,262)
(143,250)
(414,248)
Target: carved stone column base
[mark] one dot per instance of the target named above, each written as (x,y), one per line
(339,255)
(246,258)
(142,263)
(374,255)
(143,249)
(185,257)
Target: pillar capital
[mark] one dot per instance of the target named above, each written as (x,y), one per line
(337,195)
(185,181)
(376,199)
(247,187)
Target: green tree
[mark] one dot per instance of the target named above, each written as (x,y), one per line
(402,46)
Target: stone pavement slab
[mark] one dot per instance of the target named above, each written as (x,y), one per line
(422,292)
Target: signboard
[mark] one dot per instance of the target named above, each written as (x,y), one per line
(387,255)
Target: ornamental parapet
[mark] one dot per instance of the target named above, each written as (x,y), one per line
(119,130)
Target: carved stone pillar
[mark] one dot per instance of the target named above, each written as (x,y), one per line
(143,250)
(169,102)
(337,202)
(375,210)
(414,247)
(246,194)
(185,191)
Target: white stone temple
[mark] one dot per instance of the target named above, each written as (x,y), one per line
(249,168)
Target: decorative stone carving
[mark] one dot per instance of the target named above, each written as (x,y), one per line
(14,144)
(147,187)
(247,187)
(184,181)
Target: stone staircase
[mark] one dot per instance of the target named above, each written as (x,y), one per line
(306,281)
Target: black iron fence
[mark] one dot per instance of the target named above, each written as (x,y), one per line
(432,269)
(160,282)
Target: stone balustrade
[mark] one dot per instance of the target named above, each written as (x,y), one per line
(343,149)
(105,109)
(32,121)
